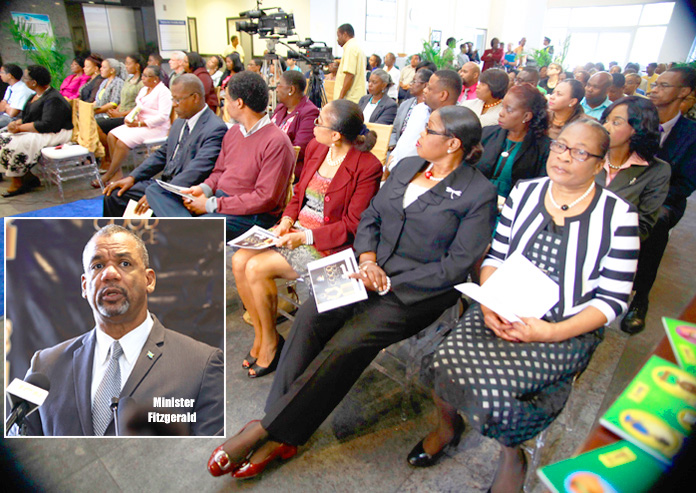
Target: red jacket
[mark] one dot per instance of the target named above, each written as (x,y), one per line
(210,96)
(349,194)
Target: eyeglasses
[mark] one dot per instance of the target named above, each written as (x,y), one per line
(580,155)
(179,100)
(318,124)
(430,131)
(663,85)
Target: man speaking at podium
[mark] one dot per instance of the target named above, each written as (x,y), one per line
(129,354)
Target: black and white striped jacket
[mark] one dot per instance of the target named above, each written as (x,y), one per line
(601,246)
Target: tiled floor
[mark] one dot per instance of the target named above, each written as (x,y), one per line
(363,444)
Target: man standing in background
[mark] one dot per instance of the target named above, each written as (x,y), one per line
(350,79)
(234,47)
(394,73)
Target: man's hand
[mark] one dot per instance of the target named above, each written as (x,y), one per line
(196,205)
(142,206)
(124,184)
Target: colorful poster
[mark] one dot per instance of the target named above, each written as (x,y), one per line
(682,337)
(34,23)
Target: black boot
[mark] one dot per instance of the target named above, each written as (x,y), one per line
(634,321)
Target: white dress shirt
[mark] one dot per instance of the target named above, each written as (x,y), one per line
(406,145)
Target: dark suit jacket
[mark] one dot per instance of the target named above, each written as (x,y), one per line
(530,160)
(643,186)
(349,193)
(300,129)
(430,246)
(384,113)
(180,368)
(201,148)
(400,118)
(679,150)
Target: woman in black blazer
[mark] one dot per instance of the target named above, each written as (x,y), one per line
(377,107)
(518,147)
(419,237)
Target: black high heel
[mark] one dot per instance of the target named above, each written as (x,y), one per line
(250,360)
(418,457)
(260,371)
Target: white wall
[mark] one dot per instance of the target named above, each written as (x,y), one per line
(680,34)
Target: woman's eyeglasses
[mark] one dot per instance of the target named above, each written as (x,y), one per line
(576,153)
(317,123)
(430,131)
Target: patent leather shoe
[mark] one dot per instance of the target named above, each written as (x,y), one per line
(634,321)
(418,457)
(248,469)
(220,463)
(249,361)
(260,371)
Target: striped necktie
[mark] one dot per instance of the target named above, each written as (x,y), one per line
(109,387)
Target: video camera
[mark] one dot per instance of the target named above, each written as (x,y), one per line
(267,25)
(313,53)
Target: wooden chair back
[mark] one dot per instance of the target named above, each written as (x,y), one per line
(382,146)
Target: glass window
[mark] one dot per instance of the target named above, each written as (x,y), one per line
(621,15)
(647,44)
(656,13)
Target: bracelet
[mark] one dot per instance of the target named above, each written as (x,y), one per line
(366,263)
(387,289)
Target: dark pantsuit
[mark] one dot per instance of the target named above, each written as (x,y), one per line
(166,204)
(115,206)
(651,251)
(324,356)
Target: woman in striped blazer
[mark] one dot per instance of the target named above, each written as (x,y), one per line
(513,379)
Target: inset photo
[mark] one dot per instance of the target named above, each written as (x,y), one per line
(114,327)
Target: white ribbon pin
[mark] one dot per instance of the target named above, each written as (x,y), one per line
(453,192)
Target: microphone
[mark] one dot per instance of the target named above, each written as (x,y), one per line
(25,397)
(114,411)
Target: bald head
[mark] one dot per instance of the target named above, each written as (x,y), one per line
(469,73)
(190,84)
(597,88)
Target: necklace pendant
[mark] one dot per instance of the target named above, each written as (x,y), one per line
(505,153)
(564,207)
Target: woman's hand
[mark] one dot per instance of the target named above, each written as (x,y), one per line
(532,330)
(291,240)
(372,276)
(13,127)
(499,325)
(283,227)
(133,124)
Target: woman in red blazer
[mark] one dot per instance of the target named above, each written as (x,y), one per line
(194,64)
(339,179)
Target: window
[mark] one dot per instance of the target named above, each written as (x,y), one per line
(379,20)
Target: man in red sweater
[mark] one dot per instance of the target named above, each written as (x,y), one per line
(249,183)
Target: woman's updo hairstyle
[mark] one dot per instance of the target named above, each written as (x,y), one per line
(463,124)
(534,102)
(346,118)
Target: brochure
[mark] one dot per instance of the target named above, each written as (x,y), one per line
(131,214)
(174,189)
(682,337)
(330,282)
(656,411)
(255,238)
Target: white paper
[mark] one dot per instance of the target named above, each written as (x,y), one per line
(131,214)
(330,282)
(175,189)
(516,289)
(256,238)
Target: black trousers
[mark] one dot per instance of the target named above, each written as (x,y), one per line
(651,251)
(324,356)
(115,206)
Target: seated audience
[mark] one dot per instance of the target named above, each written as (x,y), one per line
(177,62)
(631,169)
(151,120)
(511,380)
(564,106)
(616,90)
(234,65)
(407,75)
(376,106)
(92,68)
(255,65)
(295,113)
(529,75)
(517,148)
(470,73)
(631,86)
(373,63)
(70,87)
(493,57)
(214,66)
(415,241)
(16,95)
(553,72)
(109,94)
(443,89)
(339,167)
(332,71)
(490,91)
(582,76)
(186,158)
(426,64)
(46,121)
(155,60)
(194,64)
(403,113)
(249,183)
(394,73)
(292,65)
(596,90)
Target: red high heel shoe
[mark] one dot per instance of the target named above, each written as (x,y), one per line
(249,469)
(220,463)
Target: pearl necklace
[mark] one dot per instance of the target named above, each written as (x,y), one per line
(334,162)
(575,202)
(429,174)
(614,167)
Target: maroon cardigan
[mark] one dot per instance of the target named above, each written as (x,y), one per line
(210,96)
(349,194)
(301,128)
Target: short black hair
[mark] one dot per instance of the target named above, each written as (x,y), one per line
(232,38)
(450,40)
(497,81)
(295,79)
(426,64)
(347,29)
(39,74)
(156,71)
(80,60)
(643,117)
(618,80)
(156,56)
(533,71)
(195,61)
(688,75)
(451,82)
(251,89)
(14,70)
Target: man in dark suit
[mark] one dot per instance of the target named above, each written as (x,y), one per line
(186,158)
(678,148)
(128,354)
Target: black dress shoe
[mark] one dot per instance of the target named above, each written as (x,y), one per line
(260,371)
(634,321)
(418,457)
